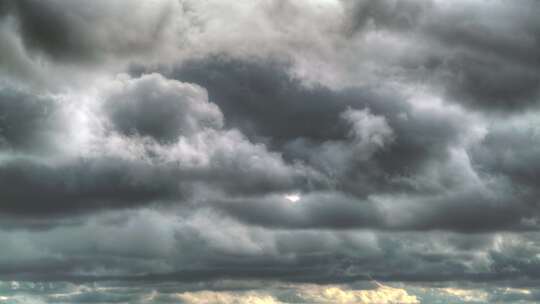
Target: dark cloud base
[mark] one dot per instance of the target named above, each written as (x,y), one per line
(282,151)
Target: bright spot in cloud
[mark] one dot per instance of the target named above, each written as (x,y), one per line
(293,197)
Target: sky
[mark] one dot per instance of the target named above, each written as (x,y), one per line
(269,151)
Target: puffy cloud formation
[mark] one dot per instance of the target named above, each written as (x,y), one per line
(335,294)
(307,294)
(269,151)
(160,108)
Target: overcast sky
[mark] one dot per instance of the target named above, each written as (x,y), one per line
(269,151)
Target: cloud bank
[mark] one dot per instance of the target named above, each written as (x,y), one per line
(313,151)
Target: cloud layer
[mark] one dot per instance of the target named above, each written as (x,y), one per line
(269,151)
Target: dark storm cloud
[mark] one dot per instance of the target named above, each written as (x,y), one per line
(82,185)
(197,254)
(463,212)
(31,125)
(491,84)
(48,28)
(263,100)
(5,7)
(418,141)
(482,55)
(27,121)
(209,250)
(512,152)
(147,112)
(285,141)
(93,184)
(73,32)
(490,63)
(313,211)
(422,138)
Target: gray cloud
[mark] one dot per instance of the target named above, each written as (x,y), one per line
(487,64)
(316,116)
(74,32)
(286,151)
(160,141)
(83,185)
(159,108)
(27,122)
(262,100)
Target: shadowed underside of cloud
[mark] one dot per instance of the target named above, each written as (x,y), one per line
(248,151)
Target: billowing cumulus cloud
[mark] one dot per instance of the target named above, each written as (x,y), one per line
(308,294)
(160,108)
(273,151)
(145,140)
